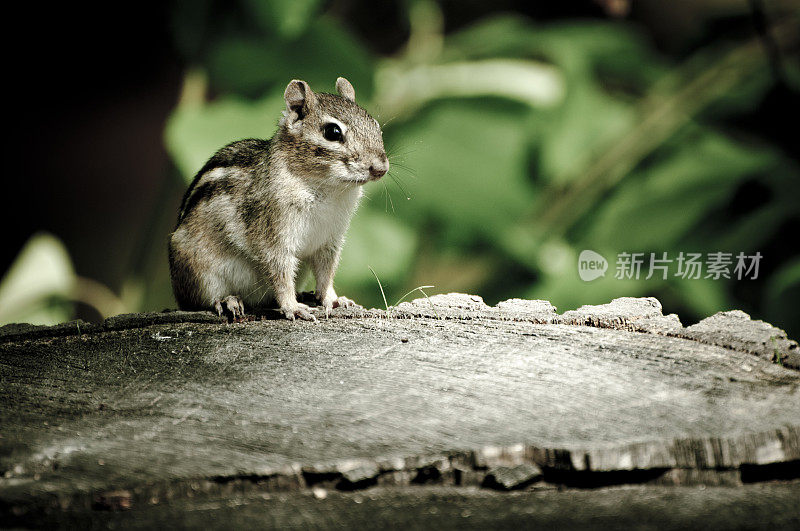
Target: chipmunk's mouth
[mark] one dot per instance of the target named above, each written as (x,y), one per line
(362,179)
(355,180)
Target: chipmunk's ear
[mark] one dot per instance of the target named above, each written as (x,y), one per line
(345,89)
(299,100)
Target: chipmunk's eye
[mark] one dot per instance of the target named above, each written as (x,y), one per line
(332,132)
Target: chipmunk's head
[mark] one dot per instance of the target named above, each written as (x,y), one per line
(331,136)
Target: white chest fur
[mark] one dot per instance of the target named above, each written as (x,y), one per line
(324,220)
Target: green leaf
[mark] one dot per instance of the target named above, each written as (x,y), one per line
(194,134)
(289,18)
(704,296)
(580,48)
(37,285)
(501,36)
(377,240)
(560,283)
(658,205)
(786,278)
(780,302)
(579,128)
(468,161)
(250,65)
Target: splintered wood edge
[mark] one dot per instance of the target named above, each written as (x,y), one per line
(730,462)
(733,330)
(733,461)
(778,446)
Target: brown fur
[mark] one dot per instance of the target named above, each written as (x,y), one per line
(258,208)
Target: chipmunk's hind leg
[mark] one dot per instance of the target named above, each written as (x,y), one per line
(203,278)
(230,305)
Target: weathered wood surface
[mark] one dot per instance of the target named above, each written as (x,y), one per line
(444,391)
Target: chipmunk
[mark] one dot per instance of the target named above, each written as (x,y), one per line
(258,208)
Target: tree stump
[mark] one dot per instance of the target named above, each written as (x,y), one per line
(442,411)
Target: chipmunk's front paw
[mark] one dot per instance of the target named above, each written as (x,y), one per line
(231,305)
(298,311)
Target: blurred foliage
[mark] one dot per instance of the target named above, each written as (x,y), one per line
(36,288)
(514,146)
(41,286)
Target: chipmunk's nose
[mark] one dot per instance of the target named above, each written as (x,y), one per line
(379,167)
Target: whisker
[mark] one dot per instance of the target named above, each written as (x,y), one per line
(402,166)
(394,153)
(259,285)
(390,120)
(396,160)
(399,185)
(396,176)
(388,197)
(407,172)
